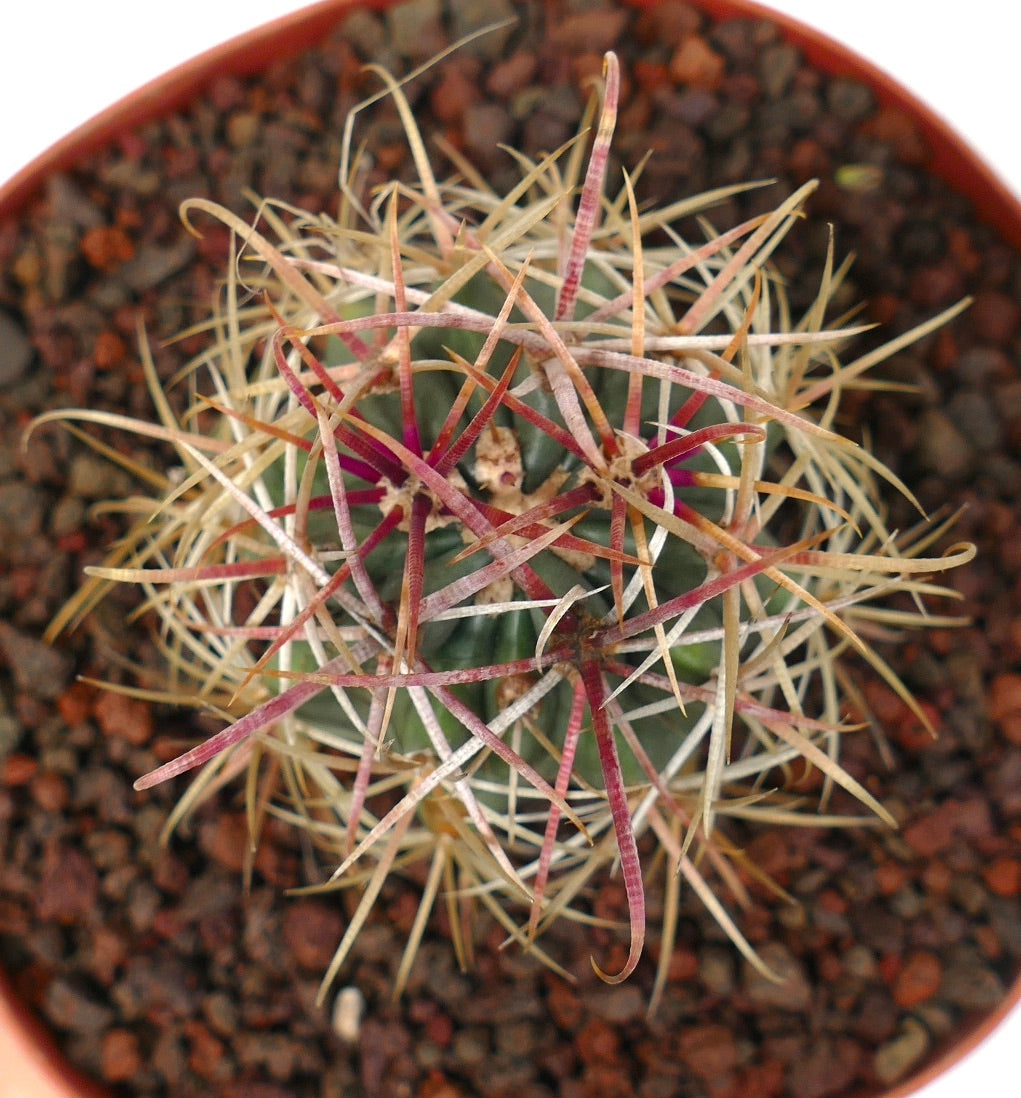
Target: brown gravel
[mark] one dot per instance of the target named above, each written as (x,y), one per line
(158,972)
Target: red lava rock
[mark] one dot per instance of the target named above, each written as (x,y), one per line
(440,1029)
(437,1085)
(891,877)
(50,791)
(126,718)
(764,1080)
(890,966)
(19,770)
(312,930)
(225,839)
(1005,704)
(936,831)
(1003,876)
(683,965)
(989,942)
(564,1005)
(120,1057)
(107,951)
(831,900)
(110,350)
(778,853)
(696,64)
(513,74)
(831,967)
(708,1051)
(915,735)
(248,1089)
(589,31)
(598,1042)
(207,1057)
(937,878)
(808,160)
(75,703)
(996,316)
(895,127)
(107,247)
(455,90)
(829,1067)
(886,705)
(69,886)
(918,980)
(170,873)
(650,76)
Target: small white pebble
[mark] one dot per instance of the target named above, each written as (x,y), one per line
(347,1014)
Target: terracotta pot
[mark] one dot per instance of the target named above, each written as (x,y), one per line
(30,1065)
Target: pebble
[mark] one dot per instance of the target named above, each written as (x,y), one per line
(93,477)
(588,31)
(860,962)
(695,64)
(124,717)
(16,351)
(717,969)
(793,992)
(918,979)
(74,1009)
(976,418)
(39,669)
(996,316)
(777,65)
(1003,876)
(473,15)
(22,508)
(849,100)
(941,447)
(415,28)
(107,247)
(485,125)
(829,1066)
(67,516)
(312,930)
(50,791)
(153,263)
(509,76)
(970,983)
(225,839)
(616,1005)
(1005,704)
(471,1045)
(709,1051)
(936,831)
(120,1055)
(10,733)
(896,1058)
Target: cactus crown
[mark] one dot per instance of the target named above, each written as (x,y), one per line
(510,529)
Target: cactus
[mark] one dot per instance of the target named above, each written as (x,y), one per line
(510,529)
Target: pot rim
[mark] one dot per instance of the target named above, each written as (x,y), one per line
(952,159)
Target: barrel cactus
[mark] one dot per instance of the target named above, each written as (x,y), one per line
(511,531)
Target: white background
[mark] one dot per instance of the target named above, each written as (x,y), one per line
(63,61)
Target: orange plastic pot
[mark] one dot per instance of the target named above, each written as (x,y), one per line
(30,1064)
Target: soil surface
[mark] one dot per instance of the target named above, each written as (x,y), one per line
(160,976)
